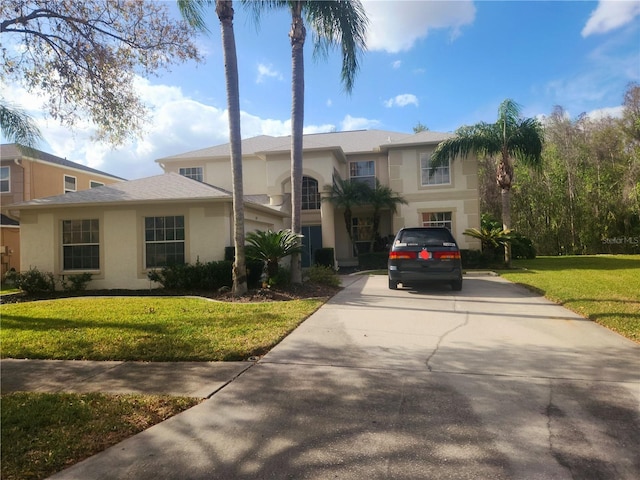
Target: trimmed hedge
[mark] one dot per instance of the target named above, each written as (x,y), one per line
(323,257)
(204,276)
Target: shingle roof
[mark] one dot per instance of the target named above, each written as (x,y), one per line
(357,141)
(166,187)
(11,151)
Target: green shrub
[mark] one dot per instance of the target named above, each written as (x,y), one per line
(475,259)
(281,279)
(324,257)
(194,277)
(522,247)
(32,281)
(373,260)
(76,282)
(323,275)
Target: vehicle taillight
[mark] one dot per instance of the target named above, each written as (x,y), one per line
(447,255)
(402,255)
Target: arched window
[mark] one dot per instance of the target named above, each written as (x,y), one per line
(310,194)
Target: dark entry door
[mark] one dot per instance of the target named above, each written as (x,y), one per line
(311,241)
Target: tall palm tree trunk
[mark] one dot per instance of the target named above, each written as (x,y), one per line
(224,9)
(297,36)
(504,180)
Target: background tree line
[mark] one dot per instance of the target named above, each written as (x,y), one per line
(585,197)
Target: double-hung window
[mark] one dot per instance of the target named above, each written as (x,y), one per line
(164,241)
(70,184)
(363,171)
(81,244)
(437,219)
(195,173)
(5,179)
(440,175)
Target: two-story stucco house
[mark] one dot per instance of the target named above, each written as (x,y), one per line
(119,232)
(27,174)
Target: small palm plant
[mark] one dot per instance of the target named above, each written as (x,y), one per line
(491,234)
(271,247)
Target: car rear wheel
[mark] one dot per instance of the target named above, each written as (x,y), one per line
(457,285)
(393,285)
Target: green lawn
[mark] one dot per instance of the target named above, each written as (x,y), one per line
(603,288)
(43,433)
(147,328)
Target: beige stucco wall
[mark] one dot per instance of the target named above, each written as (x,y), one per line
(208,232)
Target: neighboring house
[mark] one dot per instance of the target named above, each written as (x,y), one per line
(120,232)
(27,174)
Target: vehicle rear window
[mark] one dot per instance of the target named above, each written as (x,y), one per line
(427,237)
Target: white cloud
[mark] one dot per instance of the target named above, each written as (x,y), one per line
(402,100)
(267,71)
(397,64)
(396,26)
(599,114)
(354,123)
(609,15)
(329,102)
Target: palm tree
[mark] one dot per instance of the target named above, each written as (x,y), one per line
(335,23)
(17,126)
(511,137)
(193,13)
(270,247)
(491,235)
(346,194)
(382,197)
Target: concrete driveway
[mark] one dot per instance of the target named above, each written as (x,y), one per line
(493,382)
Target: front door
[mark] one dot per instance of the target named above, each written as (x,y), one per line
(311,241)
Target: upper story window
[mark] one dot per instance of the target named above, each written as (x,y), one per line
(164,241)
(440,176)
(81,244)
(195,173)
(94,184)
(363,171)
(70,184)
(437,219)
(5,179)
(310,194)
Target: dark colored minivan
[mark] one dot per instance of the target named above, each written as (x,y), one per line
(424,254)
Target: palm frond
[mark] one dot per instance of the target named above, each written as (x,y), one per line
(17,126)
(193,11)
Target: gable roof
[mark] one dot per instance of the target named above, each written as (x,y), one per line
(168,187)
(13,151)
(349,142)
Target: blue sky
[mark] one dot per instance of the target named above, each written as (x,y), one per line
(443,64)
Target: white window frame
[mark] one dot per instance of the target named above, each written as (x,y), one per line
(75,184)
(156,241)
(441,176)
(439,221)
(194,173)
(355,174)
(82,238)
(6,168)
(95,184)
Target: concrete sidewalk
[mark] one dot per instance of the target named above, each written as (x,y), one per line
(189,379)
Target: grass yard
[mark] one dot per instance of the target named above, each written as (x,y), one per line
(147,328)
(44,433)
(603,288)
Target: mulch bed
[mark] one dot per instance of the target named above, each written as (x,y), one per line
(293,292)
